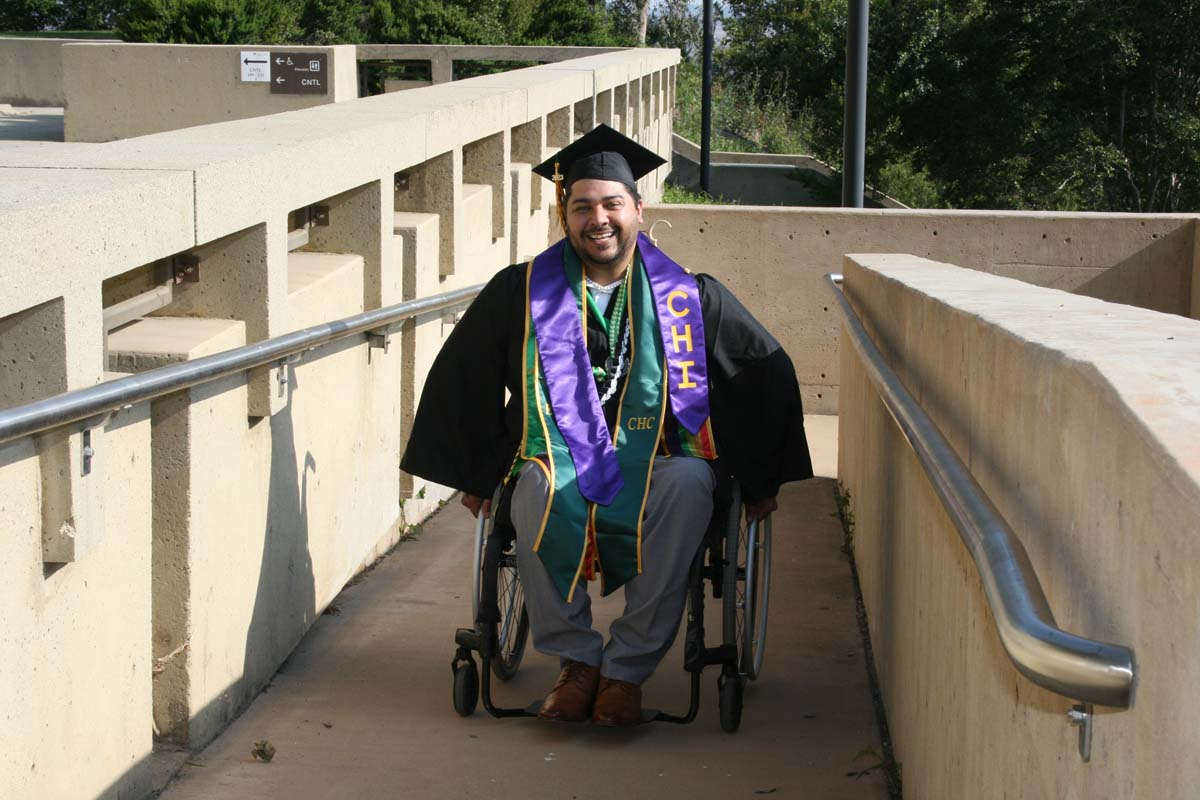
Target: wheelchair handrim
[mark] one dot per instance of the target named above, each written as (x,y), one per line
(758,575)
(477,564)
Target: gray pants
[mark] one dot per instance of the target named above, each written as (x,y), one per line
(677,514)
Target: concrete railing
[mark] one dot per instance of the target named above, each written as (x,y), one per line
(159,567)
(441,57)
(1078,419)
(114,90)
(31,71)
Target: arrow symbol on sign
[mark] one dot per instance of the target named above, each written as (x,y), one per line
(279,61)
(279,80)
(251,61)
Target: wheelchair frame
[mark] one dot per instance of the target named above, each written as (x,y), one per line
(735,558)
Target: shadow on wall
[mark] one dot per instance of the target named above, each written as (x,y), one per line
(28,125)
(1150,278)
(285,603)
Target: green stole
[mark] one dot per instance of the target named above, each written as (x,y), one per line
(563,537)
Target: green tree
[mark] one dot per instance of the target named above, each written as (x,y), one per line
(675,24)
(210,21)
(29,15)
(1054,104)
(572,22)
(439,21)
(89,15)
(333,21)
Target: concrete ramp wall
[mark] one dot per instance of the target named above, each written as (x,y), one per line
(774,259)
(31,71)
(1081,420)
(117,90)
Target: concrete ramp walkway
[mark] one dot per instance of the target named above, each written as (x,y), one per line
(362,709)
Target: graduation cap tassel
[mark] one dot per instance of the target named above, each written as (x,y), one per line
(560,197)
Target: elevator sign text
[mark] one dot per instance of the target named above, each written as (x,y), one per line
(299,73)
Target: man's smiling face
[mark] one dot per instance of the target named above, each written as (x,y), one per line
(602,222)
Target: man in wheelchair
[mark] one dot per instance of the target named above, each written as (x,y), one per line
(627,376)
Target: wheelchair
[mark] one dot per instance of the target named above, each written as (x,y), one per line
(734,560)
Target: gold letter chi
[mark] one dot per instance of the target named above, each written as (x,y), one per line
(685,338)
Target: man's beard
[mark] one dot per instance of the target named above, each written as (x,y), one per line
(625,240)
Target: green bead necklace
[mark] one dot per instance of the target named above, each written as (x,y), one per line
(614,326)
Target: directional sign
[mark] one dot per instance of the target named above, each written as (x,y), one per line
(256,65)
(299,73)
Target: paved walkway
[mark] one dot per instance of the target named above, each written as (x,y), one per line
(362,709)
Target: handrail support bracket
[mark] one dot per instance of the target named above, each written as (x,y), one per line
(87,449)
(282,365)
(1081,716)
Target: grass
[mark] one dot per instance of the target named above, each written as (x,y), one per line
(677,195)
(741,123)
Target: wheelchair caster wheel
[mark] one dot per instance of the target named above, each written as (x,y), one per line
(730,690)
(466,687)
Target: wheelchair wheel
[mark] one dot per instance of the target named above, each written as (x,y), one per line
(730,691)
(747,584)
(466,687)
(513,630)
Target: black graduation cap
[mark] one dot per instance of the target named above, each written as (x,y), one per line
(602,153)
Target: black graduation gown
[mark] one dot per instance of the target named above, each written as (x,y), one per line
(465,437)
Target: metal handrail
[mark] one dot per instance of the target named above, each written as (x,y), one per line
(95,402)
(1069,665)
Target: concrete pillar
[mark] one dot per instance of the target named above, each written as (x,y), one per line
(486,162)
(435,187)
(441,68)
(360,222)
(621,108)
(417,236)
(654,109)
(604,108)
(645,107)
(243,276)
(529,228)
(559,128)
(45,350)
(186,427)
(585,115)
(527,141)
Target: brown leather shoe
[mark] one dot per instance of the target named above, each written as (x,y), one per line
(618,703)
(573,693)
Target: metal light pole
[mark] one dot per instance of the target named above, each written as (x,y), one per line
(854,139)
(706,102)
